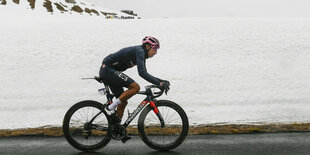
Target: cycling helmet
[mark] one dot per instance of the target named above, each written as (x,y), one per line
(152,41)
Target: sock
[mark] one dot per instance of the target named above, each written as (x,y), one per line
(114,104)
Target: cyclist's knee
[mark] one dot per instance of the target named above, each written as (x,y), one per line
(124,103)
(135,87)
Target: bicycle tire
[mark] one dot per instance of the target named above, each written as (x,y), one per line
(68,131)
(147,136)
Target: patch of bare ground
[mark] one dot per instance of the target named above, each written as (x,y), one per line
(77,8)
(91,11)
(3,2)
(32,3)
(63,5)
(107,13)
(16,1)
(193,130)
(95,12)
(60,8)
(71,1)
(48,5)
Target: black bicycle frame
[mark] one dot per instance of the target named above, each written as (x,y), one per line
(146,101)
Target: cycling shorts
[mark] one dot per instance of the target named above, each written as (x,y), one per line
(115,79)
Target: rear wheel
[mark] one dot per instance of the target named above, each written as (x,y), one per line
(168,137)
(83,134)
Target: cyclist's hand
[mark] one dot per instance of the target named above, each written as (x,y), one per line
(166,81)
(164,86)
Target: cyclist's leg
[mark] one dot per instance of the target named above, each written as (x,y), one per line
(132,90)
(117,80)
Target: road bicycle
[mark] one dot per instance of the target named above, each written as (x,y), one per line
(162,124)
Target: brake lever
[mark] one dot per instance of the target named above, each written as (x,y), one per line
(166,91)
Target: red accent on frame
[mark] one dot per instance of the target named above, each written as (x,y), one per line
(154,107)
(143,103)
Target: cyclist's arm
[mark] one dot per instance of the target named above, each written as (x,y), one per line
(142,69)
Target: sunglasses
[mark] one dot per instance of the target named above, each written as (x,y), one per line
(155,48)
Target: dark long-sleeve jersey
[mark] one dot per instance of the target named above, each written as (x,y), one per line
(129,57)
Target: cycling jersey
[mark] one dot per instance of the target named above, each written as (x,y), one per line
(129,57)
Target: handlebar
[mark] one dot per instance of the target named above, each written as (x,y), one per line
(154,93)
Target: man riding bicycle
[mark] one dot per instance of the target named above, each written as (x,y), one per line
(114,64)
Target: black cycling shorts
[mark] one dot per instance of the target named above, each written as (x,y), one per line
(115,79)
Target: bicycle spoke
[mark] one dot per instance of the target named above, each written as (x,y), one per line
(171,116)
(81,115)
(85,115)
(167,114)
(92,114)
(155,118)
(174,119)
(77,118)
(93,135)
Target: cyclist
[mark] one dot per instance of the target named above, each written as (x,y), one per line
(111,71)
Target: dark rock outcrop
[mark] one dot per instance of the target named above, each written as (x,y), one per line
(3,2)
(32,3)
(16,1)
(48,5)
(59,7)
(77,8)
(71,1)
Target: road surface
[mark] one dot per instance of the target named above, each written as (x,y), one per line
(267,143)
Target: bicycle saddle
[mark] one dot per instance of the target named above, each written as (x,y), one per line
(97,78)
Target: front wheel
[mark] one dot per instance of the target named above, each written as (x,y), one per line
(172,134)
(86,127)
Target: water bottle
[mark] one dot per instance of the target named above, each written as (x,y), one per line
(102,91)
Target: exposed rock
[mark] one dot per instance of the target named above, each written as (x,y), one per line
(63,5)
(71,6)
(76,8)
(130,12)
(95,11)
(60,8)
(16,1)
(87,10)
(108,14)
(48,5)
(91,11)
(32,3)
(71,1)
(3,2)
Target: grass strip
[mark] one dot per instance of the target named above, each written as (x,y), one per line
(193,130)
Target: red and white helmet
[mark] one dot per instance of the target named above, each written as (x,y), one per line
(152,41)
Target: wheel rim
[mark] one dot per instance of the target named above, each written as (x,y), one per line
(82,132)
(170,133)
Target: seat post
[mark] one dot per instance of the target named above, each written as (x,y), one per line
(109,95)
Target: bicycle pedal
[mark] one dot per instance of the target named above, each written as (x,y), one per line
(125,139)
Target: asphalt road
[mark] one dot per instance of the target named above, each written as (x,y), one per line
(268,143)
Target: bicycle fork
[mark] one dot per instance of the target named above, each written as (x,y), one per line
(157,112)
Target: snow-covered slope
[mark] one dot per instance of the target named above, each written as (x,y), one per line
(221,70)
(60,7)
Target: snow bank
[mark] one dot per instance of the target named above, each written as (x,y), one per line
(222,70)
